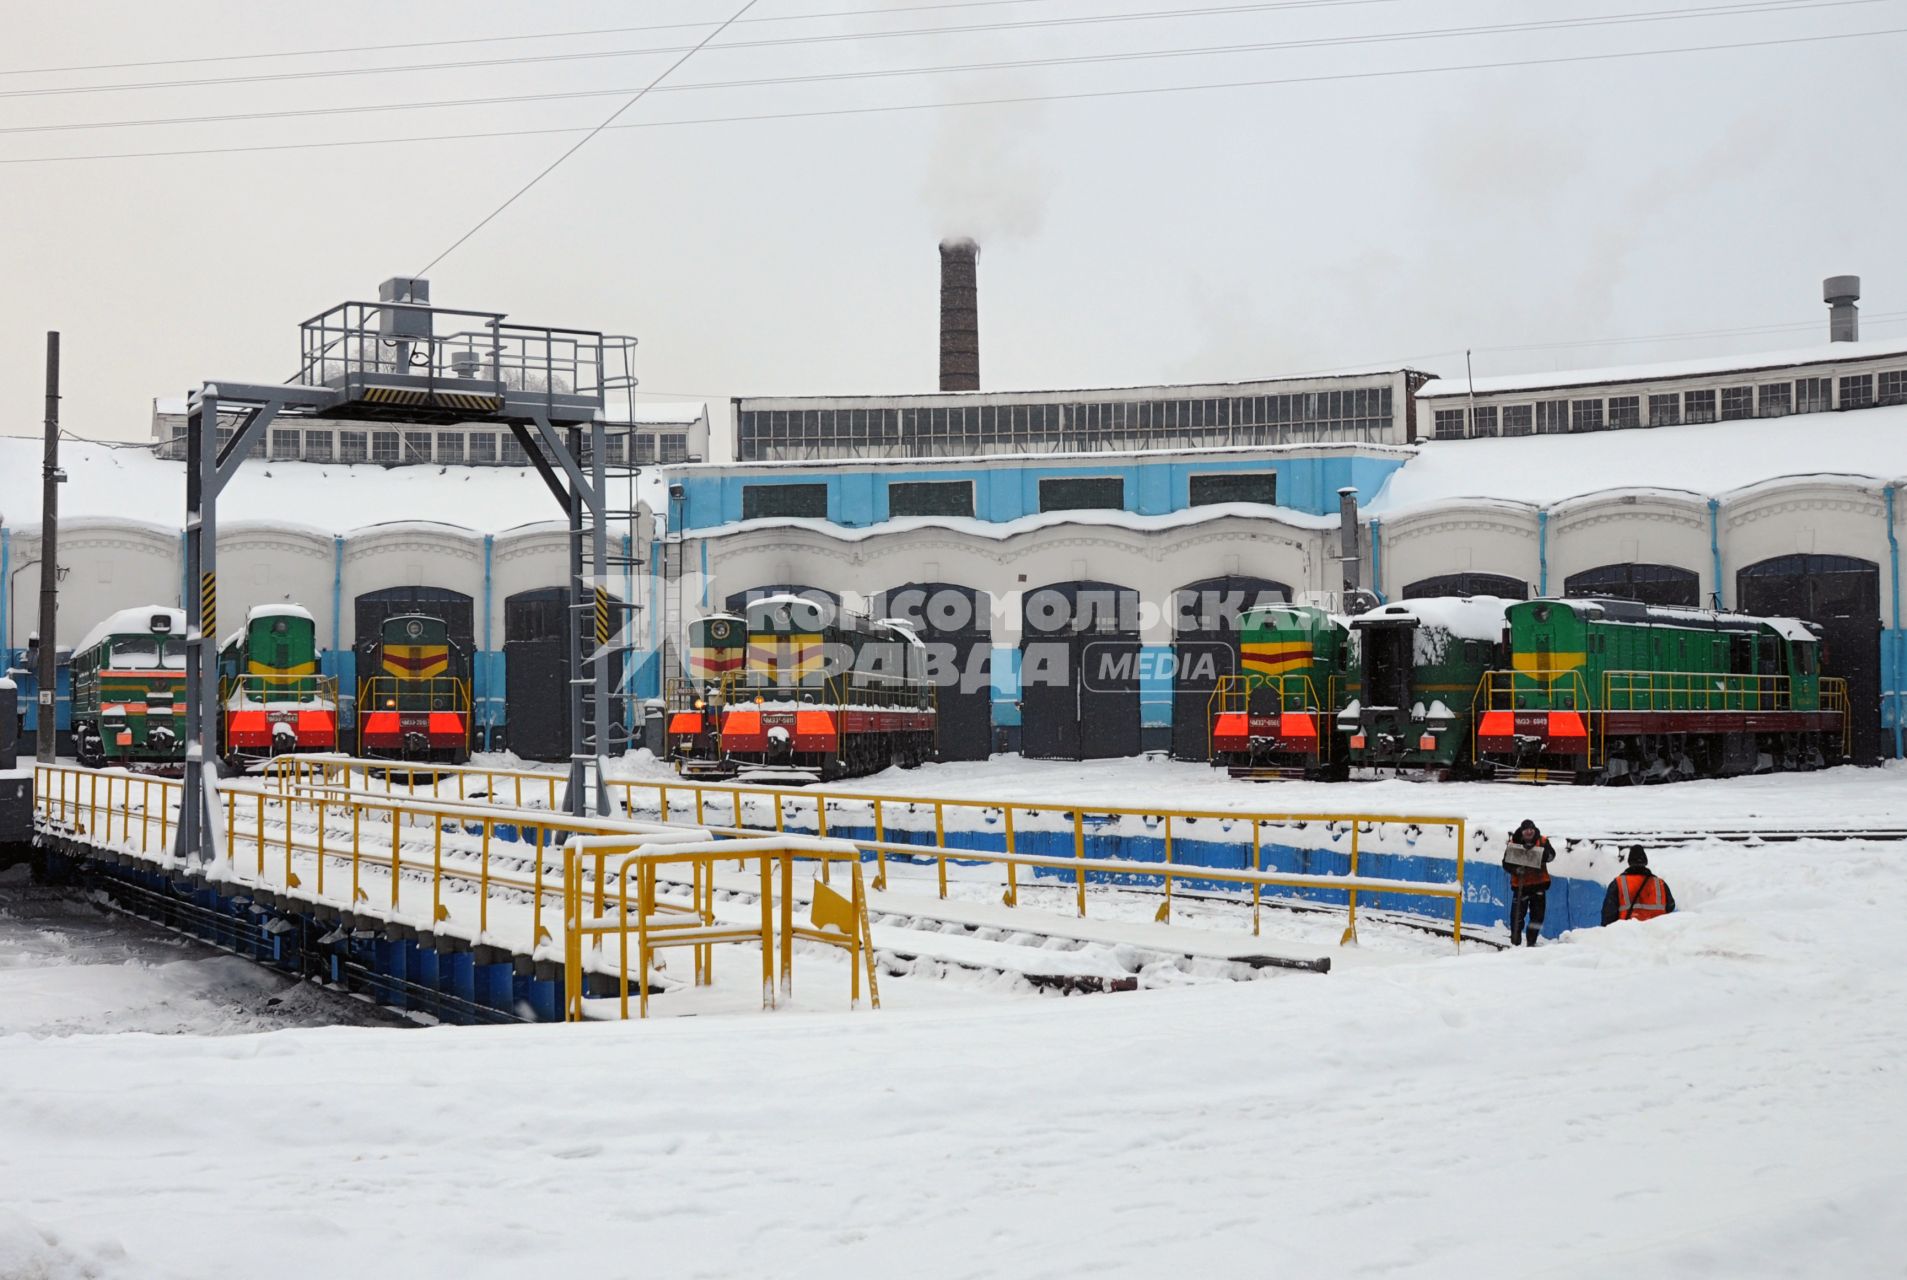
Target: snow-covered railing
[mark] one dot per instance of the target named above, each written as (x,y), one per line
(1236,850)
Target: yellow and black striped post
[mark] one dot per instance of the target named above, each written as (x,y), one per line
(602,617)
(209,607)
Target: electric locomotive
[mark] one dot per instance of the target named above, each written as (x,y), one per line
(414,692)
(129,689)
(274,698)
(1617,691)
(1414,677)
(819,696)
(1279,718)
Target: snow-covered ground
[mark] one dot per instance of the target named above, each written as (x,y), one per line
(1718,1093)
(70,967)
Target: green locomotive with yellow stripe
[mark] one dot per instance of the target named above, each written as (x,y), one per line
(1617,691)
(414,692)
(718,651)
(273,695)
(814,693)
(1278,716)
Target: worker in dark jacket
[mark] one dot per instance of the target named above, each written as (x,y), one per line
(1638,893)
(1526,858)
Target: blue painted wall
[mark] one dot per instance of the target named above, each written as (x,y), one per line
(857,493)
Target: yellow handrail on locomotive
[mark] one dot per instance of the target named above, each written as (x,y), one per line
(1511,690)
(302,688)
(1834,698)
(389,693)
(1695,691)
(1296,692)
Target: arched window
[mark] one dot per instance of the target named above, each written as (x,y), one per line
(1468,584)
(1646,583)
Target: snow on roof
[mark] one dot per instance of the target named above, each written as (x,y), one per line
(1710,459)
(131,484)
(134,621)
(1003,529)
(277,611)
(665,414)
(1678,615)
(1134,391)
(1709,366)
(1094,458)
(1466,617)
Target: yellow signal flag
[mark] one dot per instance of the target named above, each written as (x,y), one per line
(831,910)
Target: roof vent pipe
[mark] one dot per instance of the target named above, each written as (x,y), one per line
(1350,553)
(1844,318)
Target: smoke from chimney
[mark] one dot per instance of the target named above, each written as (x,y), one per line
(1844,318)
(959,315)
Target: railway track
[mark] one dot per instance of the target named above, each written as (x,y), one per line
(1745,835)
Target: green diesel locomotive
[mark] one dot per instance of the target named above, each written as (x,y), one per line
(129,689)
(1278,718)
(273,696)
(1613,690)
(1413,679)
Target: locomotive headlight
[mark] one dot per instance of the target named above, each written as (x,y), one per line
(390,702)
(699,704)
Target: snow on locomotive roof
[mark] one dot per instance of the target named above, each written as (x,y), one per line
(136,621)
(789,597)
(905,628)
(1680,615)
(278,611)
(1466,617)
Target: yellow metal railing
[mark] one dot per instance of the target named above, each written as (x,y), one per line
(656,924)
(266,688)
(1694,691)
(1833,697)
(344,841)
(737,809)
(1646,691)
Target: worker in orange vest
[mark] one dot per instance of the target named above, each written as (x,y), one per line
(1526,858)
(1638,893)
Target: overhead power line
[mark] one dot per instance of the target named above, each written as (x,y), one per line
(838,37)
(470,40)
(584,140)
(1370,38)
(1083,95)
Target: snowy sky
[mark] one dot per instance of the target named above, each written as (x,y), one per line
(1361,216)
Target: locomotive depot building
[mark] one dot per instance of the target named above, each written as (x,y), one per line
(1017,530)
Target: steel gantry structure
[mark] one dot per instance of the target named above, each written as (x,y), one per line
(400,360)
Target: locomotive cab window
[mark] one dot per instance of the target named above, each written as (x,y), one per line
(134,653)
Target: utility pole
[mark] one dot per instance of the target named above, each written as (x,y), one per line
(48,729)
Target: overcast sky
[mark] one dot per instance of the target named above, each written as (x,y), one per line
(1354,214)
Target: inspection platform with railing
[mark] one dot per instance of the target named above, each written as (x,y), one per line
(1418,859)
(470,894)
